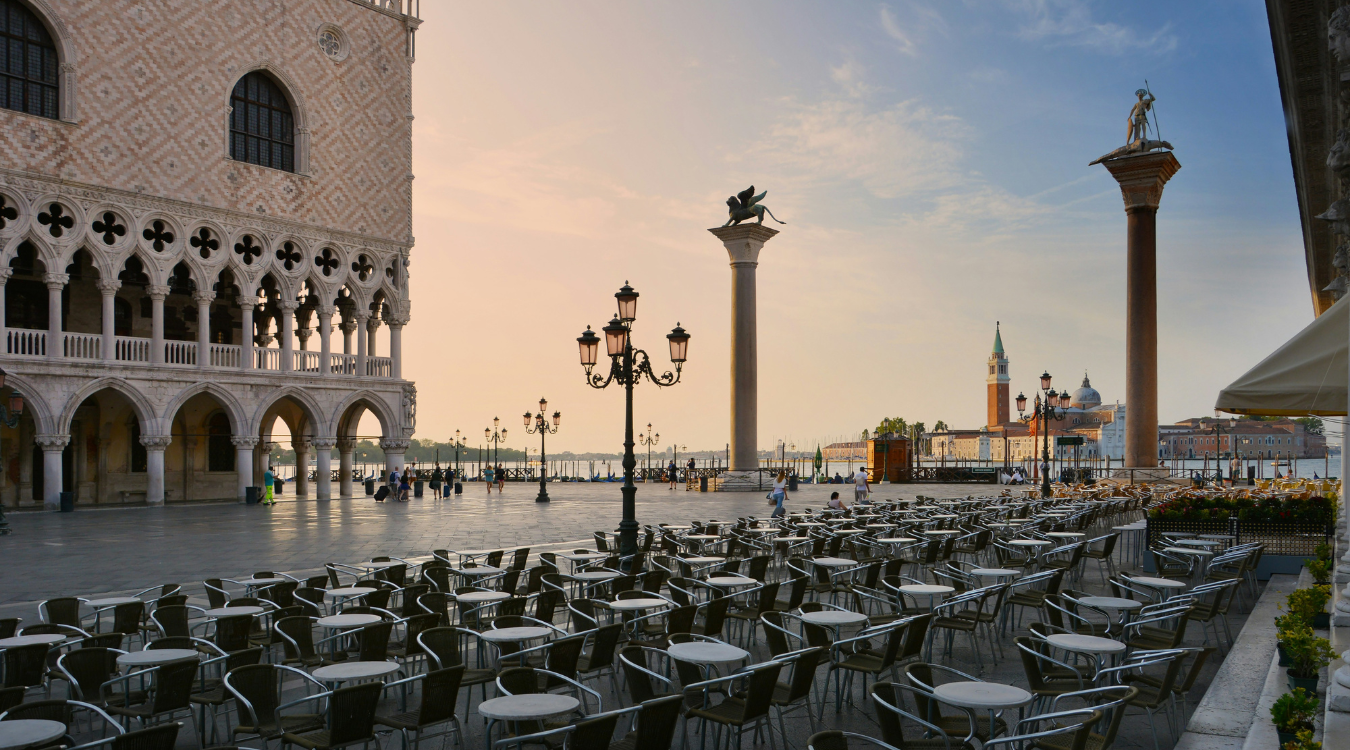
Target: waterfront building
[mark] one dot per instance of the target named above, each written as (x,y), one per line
(1243,438)
(190,193)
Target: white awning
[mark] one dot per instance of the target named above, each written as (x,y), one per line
(1306,376)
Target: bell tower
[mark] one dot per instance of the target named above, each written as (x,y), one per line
(998,382)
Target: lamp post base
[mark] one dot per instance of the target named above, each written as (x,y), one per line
(543,493)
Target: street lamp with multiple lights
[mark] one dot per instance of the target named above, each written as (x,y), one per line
(542,427)
(626,367)
(648,440)
(459,443)
(494,438)
(1052,409)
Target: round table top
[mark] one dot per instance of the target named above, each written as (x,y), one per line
(833,617)
(156,656)
(810,523)
(595,575)
(790,539)
(349,591)
(31,640)
(1159,583)
(732,581)
(1181,534)
(940,532)
(703,537)
(515,635)
(354,670)
(527,706)
(926,589)
(584,556)
(1111,602)
(880,525)
(704,652)
(111,601)
(377,565)
(1136,526)
(1029,543)
(703,559)
(834,562)
(1065,534)
(898,539)
(19,733)
(263,581)
(638,603)
(481,570)
(944,515)
(850,532)
(1187,551)
(1199,542)
(233,611)
(1087,644)
(482,597)
(347,621)
(993,572)
(1217,537)
(986,695)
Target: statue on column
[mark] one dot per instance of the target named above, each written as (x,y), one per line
(744,206)
(1136,135)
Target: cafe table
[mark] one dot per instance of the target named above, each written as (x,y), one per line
(354,671)
(929,590)
(1094,646)
(20,733)
(233,611)
(156,657)
(989,696)
(31,640)
(524,707)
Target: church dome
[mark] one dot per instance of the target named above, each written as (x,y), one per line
(1086,396)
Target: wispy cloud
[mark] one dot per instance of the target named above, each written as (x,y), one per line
(920,20)
(1070,22)
(891,26)
(849,76)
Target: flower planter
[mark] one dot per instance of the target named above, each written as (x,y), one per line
(1284,657)
(1286,736)
(1307,683)
(1321,621)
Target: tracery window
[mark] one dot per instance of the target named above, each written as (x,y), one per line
(262,129)
(29,67)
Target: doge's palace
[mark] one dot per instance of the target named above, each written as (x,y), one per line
(193,197)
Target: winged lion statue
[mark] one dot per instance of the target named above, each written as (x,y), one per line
(745,205)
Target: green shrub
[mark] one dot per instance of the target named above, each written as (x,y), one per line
(1307,653)
(1308,603)
(1304,741)
(1294,711)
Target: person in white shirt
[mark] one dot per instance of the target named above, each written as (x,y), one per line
(860,486)
(836,503)
(779,494)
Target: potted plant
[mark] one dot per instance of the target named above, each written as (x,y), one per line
(1319,569)
(1307,655)
(1303,741)
(1292,713)
(1310,605)
(1285,624)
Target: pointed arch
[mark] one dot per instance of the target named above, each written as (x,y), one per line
(65,52)
(290,89)
(300,396)
(389,424)
(235,410)
(34,404)
(145,411)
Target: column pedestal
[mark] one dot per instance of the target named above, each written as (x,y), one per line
(52,476)
(743,243)
(243,460)
(154,467)
(323,467)
(1141,178)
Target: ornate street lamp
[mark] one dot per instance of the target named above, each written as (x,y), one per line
(1051,409)
(494,437)
(11,420)
(459,443)
(627,366)
(542,427)
(648,440)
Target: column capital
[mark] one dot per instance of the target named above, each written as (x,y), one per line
(394,445)
(302,445)
(204,298)
(346,445)
(348,325)
(323,443)
(109,287)
(52,442)
(325,311)
(289,305)
(744,241)
(157,291)
(5,273)
(245,441)
(373,323)
(1142,177)
(156,442)
(56,280)
(247,303)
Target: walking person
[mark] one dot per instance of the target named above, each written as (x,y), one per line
(487,475)
(501,479)
(779,494)
(269,484)
(673,472)
(403,488)
(436,478)
(860,486)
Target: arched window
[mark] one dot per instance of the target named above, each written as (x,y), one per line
(262,130)
(29,67)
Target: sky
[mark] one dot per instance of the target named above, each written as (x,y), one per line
(930,160)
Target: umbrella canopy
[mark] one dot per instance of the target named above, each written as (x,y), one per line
(818,458)
(1306,376)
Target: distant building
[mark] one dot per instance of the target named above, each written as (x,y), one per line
(1245,438)
(856,451)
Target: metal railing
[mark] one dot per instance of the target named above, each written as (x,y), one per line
(82,346)
(26,343)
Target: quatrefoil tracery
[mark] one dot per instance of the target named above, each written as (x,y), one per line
(7,212)
(158,235)
(289,255)
(327,261)
(247,250)
(56,220)
(363,268)
(109,227)
(205,243)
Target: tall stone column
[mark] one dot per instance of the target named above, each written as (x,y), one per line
(56,344)
(52,476)
(158,293)
(5,273)
(246,305)
(348,325)
(743,243)
(372,325)
(243,462)
(154,467)
(396,348)
(203,300)
(1142,177)
(362,321)
(301,447)
(346,450)
(323,467)
(288,308)
(109,289)
(325,340)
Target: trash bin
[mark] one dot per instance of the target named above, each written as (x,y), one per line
(277,486)
(1251,476)
(459,488)
(792,484)
(702,484)
(417,488)
(67,502)
(251,495)
(370,487)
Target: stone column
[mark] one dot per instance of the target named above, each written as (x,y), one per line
(325,344)
(157,294)
(154,466)
(5,273)
(56,344)
(246,334)
(348,325)
(323,467)
(288,308)
(301,447)
(204,327)
(362,343)
(396,348)
(243,460)
(393,454)
(743,243)
(372,325)
(52,476)
(346,450)
(109,289)
(1141,179)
